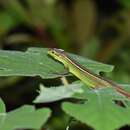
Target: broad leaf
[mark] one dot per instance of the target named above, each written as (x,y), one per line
(36,62)
(23,117)
(99,109)
(57,93)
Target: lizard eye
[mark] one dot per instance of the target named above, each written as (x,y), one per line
(53,52)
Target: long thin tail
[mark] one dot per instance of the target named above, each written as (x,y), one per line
(118,88)
(122,91)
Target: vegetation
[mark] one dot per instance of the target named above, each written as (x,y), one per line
(95,29)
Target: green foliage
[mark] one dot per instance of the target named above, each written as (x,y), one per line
(75,26)
(92,48)
(2,106)
(35,62)
(57,93)
(23,117)
(97,106)
(99,109)
(6,22)
(126,3)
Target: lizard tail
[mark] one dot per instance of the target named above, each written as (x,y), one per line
(123,92)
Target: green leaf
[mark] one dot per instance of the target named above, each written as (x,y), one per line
(24,117)
(57,93)
(36,62)
(94,66)
(2,106)
(99,109)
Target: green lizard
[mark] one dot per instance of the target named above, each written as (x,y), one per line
(85,75)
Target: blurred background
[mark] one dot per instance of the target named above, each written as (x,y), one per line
(97,29)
